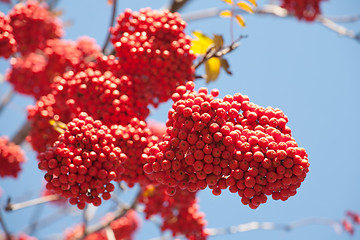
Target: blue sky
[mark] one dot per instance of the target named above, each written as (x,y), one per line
(308,71)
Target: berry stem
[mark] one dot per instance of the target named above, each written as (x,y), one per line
(16,206)
(112,21)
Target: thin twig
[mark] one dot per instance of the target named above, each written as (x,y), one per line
(16,206)
(112,20)
(9,95)
(35,219)
(22,133)
(3,225)
(211,52)
(46,221)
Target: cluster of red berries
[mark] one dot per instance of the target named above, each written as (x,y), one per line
(123,228)
(134,139)
(154,40)
(102,95)
(83,162)
(7,40)
(179,212)
(229,142)
(11,157)
(33,73)
(303,9)
(33,25)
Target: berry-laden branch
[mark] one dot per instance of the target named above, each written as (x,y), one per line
(278,11)
(16,206)
(112,21)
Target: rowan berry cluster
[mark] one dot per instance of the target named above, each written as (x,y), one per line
(102,95)
(11,158)
(135,140)
(154,40)
(33,25)
(303,9)
(7,40)
(123,228)
(229,142)
(83,162)
(34,73)
(179,212)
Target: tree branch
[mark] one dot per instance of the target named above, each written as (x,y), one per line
(16,206)
(22,133)
(117,214)
(9,95)
(278,11)
(176,5)
(112,21)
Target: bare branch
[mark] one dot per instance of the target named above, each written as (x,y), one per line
(16,206)
(251,226)
(22,133)
(117,214)
(9,95)
(278,11)
(326,22)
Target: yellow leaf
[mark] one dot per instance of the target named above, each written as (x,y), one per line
(230,2)
(201,44)
(245,6)
(240,20)
(253,2)
(212,69)
(225,13)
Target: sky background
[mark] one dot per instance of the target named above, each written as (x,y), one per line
(306,70)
